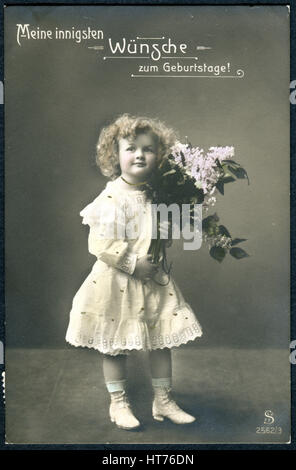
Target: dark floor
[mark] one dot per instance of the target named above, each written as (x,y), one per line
(59,397)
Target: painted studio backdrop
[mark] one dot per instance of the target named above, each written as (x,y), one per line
(222,78)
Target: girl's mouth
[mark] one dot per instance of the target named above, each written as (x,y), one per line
(139,164)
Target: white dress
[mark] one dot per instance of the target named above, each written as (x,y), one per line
(114,312)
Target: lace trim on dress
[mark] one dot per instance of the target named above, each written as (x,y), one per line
(128,263)
(115,346)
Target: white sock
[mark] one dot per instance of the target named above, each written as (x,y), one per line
(116,385)
(162,382)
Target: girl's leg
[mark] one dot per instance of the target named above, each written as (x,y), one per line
(160,363)
(163,404)
(114,367)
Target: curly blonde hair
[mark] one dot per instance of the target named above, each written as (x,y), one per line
(127,126)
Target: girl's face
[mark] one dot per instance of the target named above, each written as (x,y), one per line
(137,157)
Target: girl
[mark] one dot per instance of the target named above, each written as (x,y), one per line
(124,304)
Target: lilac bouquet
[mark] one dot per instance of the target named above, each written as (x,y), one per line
(189,175)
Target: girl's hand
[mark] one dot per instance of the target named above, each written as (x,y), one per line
(145,269)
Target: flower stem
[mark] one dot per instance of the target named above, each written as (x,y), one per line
(155,249)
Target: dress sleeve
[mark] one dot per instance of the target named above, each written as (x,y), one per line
(107,237)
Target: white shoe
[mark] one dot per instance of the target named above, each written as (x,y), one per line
(165,407)
(121,413)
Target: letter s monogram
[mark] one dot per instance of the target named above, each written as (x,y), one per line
(269,419)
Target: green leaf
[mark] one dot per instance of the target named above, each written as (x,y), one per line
(218,253)
(238,253)
(217,161)
(236,241)
(223,230)
(210,221)
(220,187)
(182,158)
(240,173)
(226,172)
(229,161)
(227,179)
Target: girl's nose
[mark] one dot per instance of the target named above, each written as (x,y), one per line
(139,154)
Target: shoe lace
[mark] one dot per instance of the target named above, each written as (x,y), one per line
(168,401)
(120,399)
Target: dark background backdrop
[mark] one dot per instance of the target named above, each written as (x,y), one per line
(58,95)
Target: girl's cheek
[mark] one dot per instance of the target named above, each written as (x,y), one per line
(154,159)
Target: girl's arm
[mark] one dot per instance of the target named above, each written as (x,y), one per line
(114,252)
(107,240)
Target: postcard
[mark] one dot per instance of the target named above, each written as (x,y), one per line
(167,117)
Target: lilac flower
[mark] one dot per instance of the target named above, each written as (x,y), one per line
(218,240)
(208,171)
(222,153)
(202,166)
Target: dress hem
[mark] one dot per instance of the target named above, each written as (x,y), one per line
(126,351)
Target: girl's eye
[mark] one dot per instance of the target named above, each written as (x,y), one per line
(146,149)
